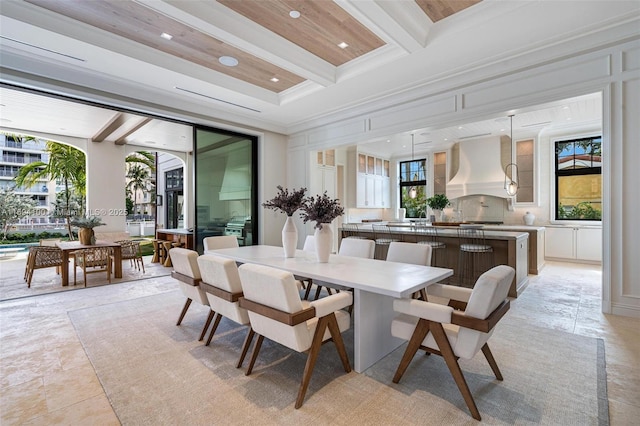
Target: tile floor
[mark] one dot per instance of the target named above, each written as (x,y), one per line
(46,378)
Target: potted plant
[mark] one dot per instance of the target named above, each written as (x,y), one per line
(288,203)
(437,203)
(322,209)
(86,225)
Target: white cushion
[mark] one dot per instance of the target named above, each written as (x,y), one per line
(185,262)
(356,247)
(219,242)
(416,254)
(223,273)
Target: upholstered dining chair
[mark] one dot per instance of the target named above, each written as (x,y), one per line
(221,283)
(457,327)
(277,313)
(357,247)
(416,254)
(41,257)
(187,272)
(305,282)
(219,242)
(92,261)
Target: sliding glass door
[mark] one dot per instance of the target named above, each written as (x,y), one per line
(226,185)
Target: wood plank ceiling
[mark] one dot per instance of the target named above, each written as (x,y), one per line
(320,28)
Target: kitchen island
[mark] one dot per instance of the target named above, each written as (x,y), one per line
(509,247)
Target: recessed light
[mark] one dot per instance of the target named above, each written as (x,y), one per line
(460,128)
(568,118)
(565,107)
(228,61)
(294,14)
(166,36)
(343,45)
(446,139)
(388,140)
(275,79)
(502,130)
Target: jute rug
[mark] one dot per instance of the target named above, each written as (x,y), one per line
(154,372)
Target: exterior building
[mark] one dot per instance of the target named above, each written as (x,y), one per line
(17,153)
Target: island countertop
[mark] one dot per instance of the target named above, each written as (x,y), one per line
(509,248)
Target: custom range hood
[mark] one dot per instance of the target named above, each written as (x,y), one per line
(480,170)
(236,182)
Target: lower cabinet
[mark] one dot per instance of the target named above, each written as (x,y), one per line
(574,243)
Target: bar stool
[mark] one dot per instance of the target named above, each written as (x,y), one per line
(383,237)
(168,245)
(475,256)
(429,235)
(158,252)
(350,230)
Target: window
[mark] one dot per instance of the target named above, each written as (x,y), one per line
(413,176)
(578,170)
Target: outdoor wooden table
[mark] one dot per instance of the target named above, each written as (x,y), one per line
(71,246)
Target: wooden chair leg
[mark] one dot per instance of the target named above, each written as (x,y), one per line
(336,336)
(254,354)
(422,328)
(184,310)
(311,359)
(245,346)
(492,362)
(206,324)
(214,328)
(452,362)
(306,293)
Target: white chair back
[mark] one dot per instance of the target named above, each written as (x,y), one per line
(416,254)
(277,289)
(356,247)
(219,242)
(185,262)
(491,289)
(222,273)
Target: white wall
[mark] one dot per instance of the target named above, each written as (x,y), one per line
(614,71)
(273,171)
(106,184)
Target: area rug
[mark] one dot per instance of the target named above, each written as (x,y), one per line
(155,372)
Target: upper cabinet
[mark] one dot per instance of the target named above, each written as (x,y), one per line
(326,158)
(373,186)
(525,162)
(440,173)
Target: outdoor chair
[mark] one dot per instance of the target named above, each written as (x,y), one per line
(131,251)
(42,257)
(93,261)
(457,327)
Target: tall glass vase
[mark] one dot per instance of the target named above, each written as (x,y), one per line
(323,239)
(289,237)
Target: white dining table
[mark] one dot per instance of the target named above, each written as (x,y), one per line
(375,284)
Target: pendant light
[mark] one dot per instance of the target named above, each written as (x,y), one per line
(413,191)
(511,178)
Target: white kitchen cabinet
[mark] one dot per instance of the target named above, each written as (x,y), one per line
(373,184)
(574,243)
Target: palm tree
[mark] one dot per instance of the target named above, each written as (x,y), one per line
(142,157)
(66,164)
(138,176)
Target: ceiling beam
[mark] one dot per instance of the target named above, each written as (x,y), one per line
(141,123)
(117,120)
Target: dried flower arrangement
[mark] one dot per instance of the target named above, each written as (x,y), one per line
(321,209)
(286,202)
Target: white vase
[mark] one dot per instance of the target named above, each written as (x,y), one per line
(289,237)
(529,218)
(323,239)
(438,214)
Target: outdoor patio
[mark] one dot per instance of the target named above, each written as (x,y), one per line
(13,285)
